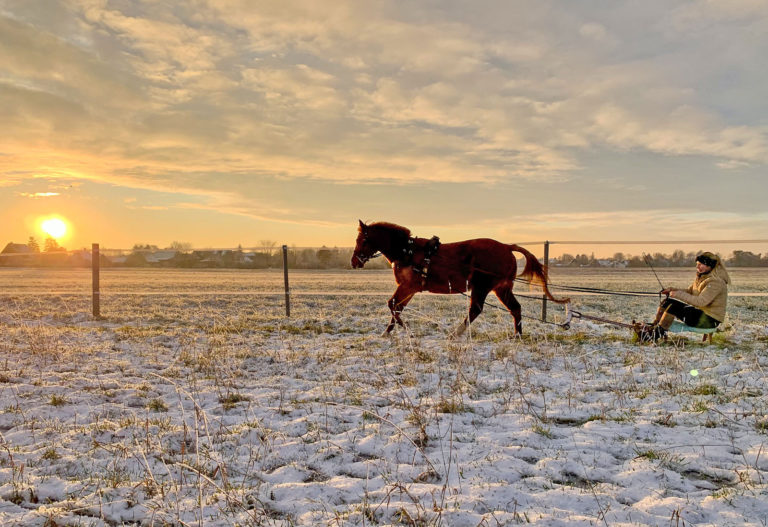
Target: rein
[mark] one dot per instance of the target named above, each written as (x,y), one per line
(569,313)
(595,290)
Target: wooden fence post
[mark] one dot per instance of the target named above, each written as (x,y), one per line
(95,279)
(544,297)
(285,277)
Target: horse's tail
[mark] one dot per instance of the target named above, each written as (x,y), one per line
(536,273)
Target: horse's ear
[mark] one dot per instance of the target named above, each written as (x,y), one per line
(362,225)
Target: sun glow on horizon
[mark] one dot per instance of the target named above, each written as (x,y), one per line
(54,227)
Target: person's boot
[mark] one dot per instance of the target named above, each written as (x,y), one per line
(658,333)
(649,332)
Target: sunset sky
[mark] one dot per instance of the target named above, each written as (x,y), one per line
(226,122)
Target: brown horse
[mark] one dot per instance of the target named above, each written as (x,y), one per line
(481,265)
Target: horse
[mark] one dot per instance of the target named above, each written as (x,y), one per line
(479,265)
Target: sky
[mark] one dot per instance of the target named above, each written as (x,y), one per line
(220,123)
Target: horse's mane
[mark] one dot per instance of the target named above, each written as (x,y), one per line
(406,233)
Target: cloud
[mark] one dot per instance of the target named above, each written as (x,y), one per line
(39,194)
(594,31)
(664,224)
(149,96)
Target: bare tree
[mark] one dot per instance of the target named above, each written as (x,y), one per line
(267,246)
(180,246)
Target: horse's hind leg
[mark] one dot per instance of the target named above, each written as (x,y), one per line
(508,299)
(396,305)
(477,302)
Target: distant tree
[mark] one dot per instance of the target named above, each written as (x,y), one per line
(33,245)
(660,260)
(618,257)
(324,256)
(147,247)
(567,259)
(267,246)
(136,259)
(52,246)
(680,258)
(745,259)
(581,260)
(180,246)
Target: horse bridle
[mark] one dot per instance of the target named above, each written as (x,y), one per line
(364,259)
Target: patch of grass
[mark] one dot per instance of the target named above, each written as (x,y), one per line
(230,400)
(314,327)
(725,494)
(157,405)
(762,426)
(422,356)
(163,424)
(650,454)
(57,400)
(666,421)
(542,431)
(700,407)
(139,332)
(50,454)
(665,459)
(116,476)
(450,406)
(705,389)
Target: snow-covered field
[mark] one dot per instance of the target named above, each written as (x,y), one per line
(197,402)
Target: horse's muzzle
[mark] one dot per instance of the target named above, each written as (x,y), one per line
(357,262)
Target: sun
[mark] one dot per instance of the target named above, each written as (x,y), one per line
(54,227)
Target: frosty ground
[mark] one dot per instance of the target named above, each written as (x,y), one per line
(195,401)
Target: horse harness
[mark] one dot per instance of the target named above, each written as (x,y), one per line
(421,268)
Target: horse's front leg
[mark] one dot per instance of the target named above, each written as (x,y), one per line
(396,305)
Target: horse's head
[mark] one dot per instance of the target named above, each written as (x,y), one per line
(364,250)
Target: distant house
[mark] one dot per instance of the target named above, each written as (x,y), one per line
(17,254)
(159,256)
(612,263)
(17,248)
(219,258)
(80,257)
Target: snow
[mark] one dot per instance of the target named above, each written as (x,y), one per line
(185,409)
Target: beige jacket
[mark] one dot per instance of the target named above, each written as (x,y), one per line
(708,292)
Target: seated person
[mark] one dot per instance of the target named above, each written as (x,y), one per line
(702,305)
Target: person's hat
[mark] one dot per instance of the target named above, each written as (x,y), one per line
(708,259)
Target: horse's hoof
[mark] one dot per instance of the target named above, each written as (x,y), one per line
(458,331)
